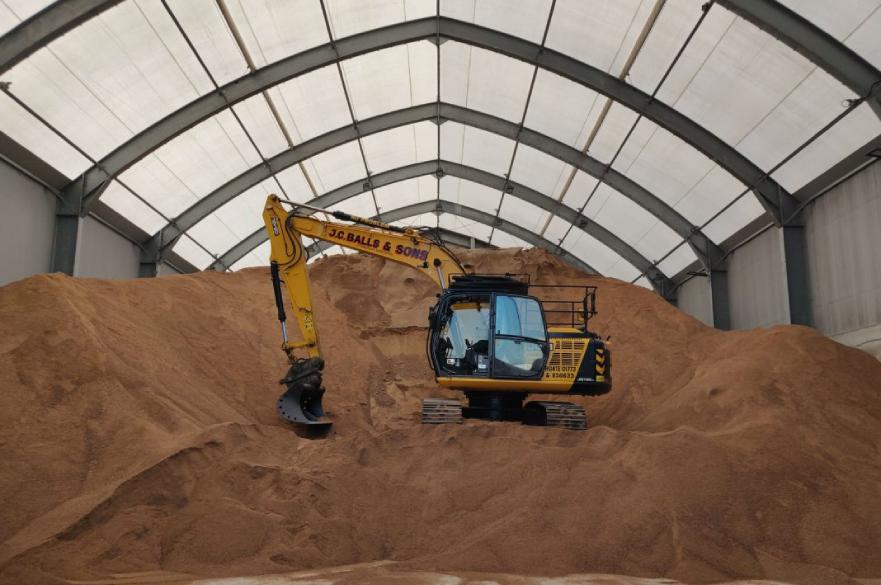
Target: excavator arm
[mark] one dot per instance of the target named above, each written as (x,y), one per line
(301,403)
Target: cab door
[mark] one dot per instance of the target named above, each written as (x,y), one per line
(520,347)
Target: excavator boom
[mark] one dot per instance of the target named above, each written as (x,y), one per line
(301,403)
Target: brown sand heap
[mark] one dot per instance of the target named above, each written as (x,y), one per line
(138,432)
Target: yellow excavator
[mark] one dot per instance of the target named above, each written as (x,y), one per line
(488,335)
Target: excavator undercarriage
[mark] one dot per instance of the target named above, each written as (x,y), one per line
(504,407)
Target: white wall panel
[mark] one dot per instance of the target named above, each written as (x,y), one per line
(757,283)
(27,219)
(103,253)
(694,298)
(844,242)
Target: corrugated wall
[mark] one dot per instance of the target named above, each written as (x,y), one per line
(693,297)
(844,251)
(757,283)
(105,254)
(27,220)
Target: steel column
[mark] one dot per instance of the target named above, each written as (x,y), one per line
(795,260)
(68,221)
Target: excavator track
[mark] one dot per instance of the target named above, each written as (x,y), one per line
(438,411)
(555,414)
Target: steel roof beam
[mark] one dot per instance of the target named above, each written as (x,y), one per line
(659,281)
(45,26)
(259,236)
(703,247)
(816,45)
(94,180)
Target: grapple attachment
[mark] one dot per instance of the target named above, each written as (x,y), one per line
(301,402)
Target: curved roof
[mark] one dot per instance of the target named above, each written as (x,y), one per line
(631,136)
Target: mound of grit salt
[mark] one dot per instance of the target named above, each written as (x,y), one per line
(138,433)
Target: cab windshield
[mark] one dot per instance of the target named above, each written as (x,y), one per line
(520,349)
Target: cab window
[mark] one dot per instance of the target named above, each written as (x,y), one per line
(464,337)
(519,341)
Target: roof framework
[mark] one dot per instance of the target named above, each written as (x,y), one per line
(90,187)
(828,52)
(167,236)
(259,236)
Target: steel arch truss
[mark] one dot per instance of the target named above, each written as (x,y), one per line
(259,236)
(84,191)
(769,15)
(659,281)
(164,240)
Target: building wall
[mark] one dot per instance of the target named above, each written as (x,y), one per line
(694,298)
(844,252)
(757,283)
(103,253)
(27,216)
(27,223)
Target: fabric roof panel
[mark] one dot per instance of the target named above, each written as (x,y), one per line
(391,79)
(465,226)
(294,183)
(503,239)
(400,146)
(522,19)
(205,26)
(864,40)
(563,109)
(348,17)
(36,137)
(540,171)
(857,23)
(580,189)
(730,86)
(275,29)
(709,194)
(121,71)
(337,167)
(136,211)
(729,221)
(630,222)
(405,193)
(852,132)
(598,255)
(672,27)
(193,164)
(192,253)
(54,92)
(470,194)
(484,80)
(259,256)
(312,104)
(612,27)
(676,261)
(261,125)
(361,205)
(522,213)
(217,236)
(477,148)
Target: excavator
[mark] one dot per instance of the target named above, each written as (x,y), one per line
(489,336)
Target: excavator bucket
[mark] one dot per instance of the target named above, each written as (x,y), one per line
(301,403)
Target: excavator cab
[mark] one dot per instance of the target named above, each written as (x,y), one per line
(489,335)
(487,327)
